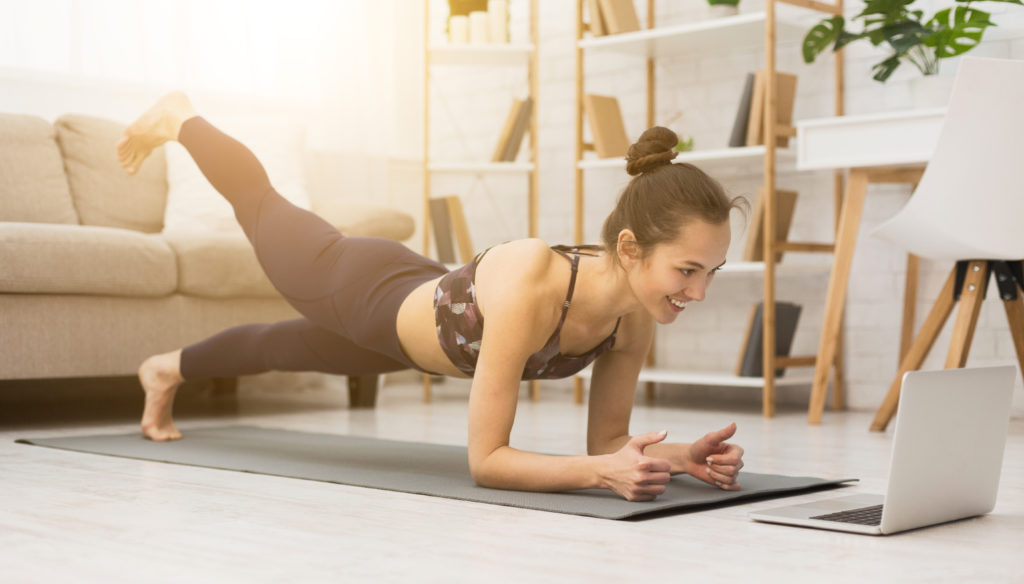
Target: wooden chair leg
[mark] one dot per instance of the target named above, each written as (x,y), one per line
(971,297)
(577,389)
(909,303)
(838,385)
(1015,317)
(917,351)
(846,237)
(426,388)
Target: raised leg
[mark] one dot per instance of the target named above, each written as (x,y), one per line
(917,351)
(846,237)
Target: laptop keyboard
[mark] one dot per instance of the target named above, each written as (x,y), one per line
(863,516)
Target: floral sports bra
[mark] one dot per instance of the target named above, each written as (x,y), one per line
(460,326)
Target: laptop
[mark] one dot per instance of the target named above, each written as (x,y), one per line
(947,454)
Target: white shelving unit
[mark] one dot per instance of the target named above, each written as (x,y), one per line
(743,31)
(782,21)
(722,159)
(481,55)
(712,378)
(480,167)
(469,57)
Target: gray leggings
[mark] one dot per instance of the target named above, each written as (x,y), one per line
(348,289)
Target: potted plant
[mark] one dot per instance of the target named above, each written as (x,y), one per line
(719,8)
(950,32)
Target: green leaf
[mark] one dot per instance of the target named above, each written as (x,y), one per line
(904,36)
(884,69)
(1018,2)
(846,38)
(889,9)
(821,36)
(957,30)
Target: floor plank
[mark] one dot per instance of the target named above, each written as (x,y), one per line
(101,519)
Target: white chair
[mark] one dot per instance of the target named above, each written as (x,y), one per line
(969,208)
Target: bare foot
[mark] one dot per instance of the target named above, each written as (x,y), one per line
(159,124)
(160,376)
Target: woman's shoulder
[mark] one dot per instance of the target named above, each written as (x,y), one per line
(529,257)
(524,268)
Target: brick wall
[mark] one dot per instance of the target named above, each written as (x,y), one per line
(700,92)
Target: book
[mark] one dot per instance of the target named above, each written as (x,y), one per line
(751,360)
(739,126)
(522,123)
(755,121)
(506,131)
(460,229)
(597,27)
(605,119)
(448,221)
(753,251)
(441,223)
(619,16)
(464,7)
(786,96)
(786,99)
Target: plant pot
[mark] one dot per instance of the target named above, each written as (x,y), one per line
(931,91)
(722,10)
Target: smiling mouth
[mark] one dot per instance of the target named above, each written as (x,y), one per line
(677,303)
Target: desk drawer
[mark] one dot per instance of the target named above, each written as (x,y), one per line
(870,140)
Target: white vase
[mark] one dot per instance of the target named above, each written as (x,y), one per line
(722,10)
(931,91)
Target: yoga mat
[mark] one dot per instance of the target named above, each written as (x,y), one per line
(408,467)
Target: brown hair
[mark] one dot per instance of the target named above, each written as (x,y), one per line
(663,196)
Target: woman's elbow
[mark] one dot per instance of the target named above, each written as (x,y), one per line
(485,472)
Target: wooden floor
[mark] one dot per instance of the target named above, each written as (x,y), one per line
(84,518)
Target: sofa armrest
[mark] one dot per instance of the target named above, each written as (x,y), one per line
(367,219)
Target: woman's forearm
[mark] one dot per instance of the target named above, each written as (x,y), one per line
(508,468)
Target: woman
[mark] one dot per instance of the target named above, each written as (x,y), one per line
(371,306)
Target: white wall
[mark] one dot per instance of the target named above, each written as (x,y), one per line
(704,88)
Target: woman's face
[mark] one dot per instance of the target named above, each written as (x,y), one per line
(680,271)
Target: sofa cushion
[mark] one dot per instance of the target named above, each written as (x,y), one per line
(104,194)
(77,259)
(218,265)
(193,204)
(33,187)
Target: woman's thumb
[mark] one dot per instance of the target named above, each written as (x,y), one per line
(642,441)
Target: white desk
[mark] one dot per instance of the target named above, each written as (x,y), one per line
(875,140)
(877,148)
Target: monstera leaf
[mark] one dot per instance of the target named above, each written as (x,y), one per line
(950,32)
(957,30)
(822,36)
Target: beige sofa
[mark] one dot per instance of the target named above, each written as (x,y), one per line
(90,286)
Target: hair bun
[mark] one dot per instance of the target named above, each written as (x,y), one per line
(656,147)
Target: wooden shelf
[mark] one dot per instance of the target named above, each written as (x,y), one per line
(682,377)
(712,36)
(722,160)
(480,55)
(781,268)
(480,167)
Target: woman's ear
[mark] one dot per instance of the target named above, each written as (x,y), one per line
(627,248)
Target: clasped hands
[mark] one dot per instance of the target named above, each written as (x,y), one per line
(639,477)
